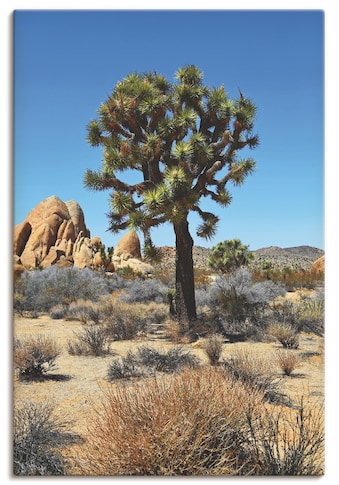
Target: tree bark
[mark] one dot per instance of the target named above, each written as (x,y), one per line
(184,277)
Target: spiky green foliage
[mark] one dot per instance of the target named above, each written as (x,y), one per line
(179,137)
(229,255)
(183,140)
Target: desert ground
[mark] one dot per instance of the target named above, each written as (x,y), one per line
(75,386)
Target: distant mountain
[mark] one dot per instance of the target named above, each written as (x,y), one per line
(299,257)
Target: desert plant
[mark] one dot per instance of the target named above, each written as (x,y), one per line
(84,310)
(253,371)
(285,334)
(125,321)
(172,360)
(240,298)
(147,361)
(229,255)
(144,291)
(91,340)
(286,312)
(189,424)
(177,137)
(34,356)
(311,313)
(40,290)
(288,361)
(125,368)
(174,332)
(38,437)
(287,442)
(213,348)
(58,311)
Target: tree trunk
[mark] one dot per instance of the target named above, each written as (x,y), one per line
(184,276)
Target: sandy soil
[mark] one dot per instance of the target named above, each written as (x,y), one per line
(75,386)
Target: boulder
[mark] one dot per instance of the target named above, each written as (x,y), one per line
(65,262)
(67,231)
(96,242)
(77,218)
(97,260)
(319,265)
(48,207)
(49,232)
(18,268)
(37,246)
(52,257)
(128,246)
(139,266)
(20,237)
(82,252)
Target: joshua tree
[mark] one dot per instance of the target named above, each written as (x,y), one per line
(230,255)
(183,139)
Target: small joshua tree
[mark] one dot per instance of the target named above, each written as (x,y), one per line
(230,255)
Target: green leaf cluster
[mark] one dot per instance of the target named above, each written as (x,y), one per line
(182,139)
(230,255)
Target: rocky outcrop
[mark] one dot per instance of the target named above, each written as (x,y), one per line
(128,254)
(49,231)
(319,265)
(55,233)
(128,246)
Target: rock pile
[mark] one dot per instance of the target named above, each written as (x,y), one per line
(54,232)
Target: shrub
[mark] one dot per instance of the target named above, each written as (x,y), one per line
(311,313)
(175,333)
(125,368)
(34,356)
(58,311)
(229,255)
(285,334)
(285,312)
(240,298)
(84,310)
(190,424)
(288,361)
(213,348)
(143,291)
(91,340)
(289,443)
(172,360)
(38,437)
(40,290)
(147,360)
(253,371)
(126,321)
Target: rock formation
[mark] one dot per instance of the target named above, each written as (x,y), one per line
(54,232)
(49,231)
(319,265)
(128,246)
(128,253)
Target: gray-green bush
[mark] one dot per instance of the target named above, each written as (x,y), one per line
(148,360)
(38,437)
(40,290)
(90,340)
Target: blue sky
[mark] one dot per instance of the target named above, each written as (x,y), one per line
(67,62)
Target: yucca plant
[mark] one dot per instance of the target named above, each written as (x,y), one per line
(183,138)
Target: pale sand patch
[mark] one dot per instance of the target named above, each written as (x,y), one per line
(76,385)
